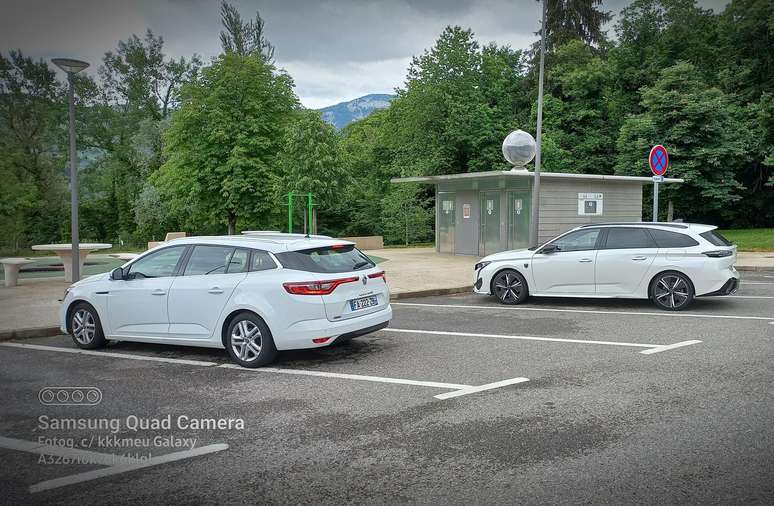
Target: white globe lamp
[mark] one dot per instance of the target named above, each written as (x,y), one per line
(519,149)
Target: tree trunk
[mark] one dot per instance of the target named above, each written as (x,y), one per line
(232,223)
(670,210)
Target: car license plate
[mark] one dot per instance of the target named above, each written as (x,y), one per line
(363,303)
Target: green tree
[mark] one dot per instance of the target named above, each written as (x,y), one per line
(223,142)
(407,215)
(31,152)
(568,20)
(310,161)
(243,37)
(697,124)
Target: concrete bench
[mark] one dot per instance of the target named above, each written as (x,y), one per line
(125,256)
(11,267)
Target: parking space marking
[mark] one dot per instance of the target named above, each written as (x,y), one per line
(480,388)
(592,311)
(125,468)
(357,377)
(743,297)
(78,351)
(466,389)
(651,347)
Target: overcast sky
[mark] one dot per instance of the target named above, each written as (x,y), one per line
(335,50)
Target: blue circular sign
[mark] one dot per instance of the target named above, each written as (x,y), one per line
(659,160)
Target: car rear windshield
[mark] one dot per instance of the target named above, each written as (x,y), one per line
(330,259)
(714,237)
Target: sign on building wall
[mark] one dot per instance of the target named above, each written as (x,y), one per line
(589,204)
(466,211)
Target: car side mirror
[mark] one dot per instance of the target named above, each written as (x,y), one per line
(549,248)
(117,274)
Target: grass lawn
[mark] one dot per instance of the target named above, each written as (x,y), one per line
(751,239)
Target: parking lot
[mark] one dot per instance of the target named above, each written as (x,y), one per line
(461,400)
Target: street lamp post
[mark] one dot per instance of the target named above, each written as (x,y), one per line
(533,229)
(72,67)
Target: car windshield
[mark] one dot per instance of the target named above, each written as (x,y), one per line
(329,259)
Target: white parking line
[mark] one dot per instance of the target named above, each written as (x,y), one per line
(481,388)
(592,311)
(464,389)
(652,348)
(125,468)
(356,377)
(757,282)
(78,351)
(742,297)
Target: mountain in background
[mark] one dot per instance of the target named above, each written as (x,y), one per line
(341,115)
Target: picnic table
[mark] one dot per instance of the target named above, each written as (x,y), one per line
(65,253)
(11,267)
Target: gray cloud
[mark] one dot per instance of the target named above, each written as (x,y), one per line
(334,49)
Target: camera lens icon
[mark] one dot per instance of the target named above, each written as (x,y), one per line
(70,396)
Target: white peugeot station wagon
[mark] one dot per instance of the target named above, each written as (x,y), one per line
(252,295)
(668,263)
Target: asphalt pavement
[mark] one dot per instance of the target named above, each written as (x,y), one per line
(460,401)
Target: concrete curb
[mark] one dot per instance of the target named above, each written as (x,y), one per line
(7,335)
(754,268)
(432,292)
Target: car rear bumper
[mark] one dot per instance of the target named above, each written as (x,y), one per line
(299,335)
(728,288)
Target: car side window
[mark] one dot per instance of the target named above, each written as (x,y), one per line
(666,239)
(238,262)
(261,261)
(158,264)
(580,240)
(208,260)
(629,238)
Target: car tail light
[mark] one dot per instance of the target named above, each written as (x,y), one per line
(316,287)
(375,275)
(719,253)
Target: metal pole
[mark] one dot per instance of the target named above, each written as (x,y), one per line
(534,216)
(309,211)
(655,201)
(290,212)
(76,257)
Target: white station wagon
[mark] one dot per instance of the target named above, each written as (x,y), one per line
(252,295)
(668,263)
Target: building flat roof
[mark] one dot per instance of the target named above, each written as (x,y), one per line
(524,173)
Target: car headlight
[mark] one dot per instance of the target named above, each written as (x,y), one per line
(480,265)
(67,290)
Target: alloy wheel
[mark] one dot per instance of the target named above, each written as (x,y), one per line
(246,340)
(84,327)
(508,287)
(672,291)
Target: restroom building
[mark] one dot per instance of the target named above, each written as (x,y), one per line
(480,213)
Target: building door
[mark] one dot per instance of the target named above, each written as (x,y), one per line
(490,223)
(518,219)
(446,222)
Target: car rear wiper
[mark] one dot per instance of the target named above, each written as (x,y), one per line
(360,264)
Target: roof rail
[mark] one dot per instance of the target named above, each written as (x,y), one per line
(652,223)
(281,235)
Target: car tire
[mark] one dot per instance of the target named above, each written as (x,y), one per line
(672,291)
(85,327)
(249,341)
(509,287)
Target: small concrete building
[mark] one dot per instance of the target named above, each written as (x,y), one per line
(480,213)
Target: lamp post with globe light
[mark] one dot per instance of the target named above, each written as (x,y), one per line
(519,148)
(72,67)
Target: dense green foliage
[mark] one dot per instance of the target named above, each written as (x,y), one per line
(168,145)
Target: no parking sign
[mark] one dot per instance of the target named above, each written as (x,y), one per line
(659,160)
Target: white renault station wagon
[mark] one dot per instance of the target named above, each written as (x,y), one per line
(252,295)
(668,263)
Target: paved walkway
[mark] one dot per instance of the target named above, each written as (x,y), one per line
(35,302)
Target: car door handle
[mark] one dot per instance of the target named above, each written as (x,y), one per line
(215,290)
(639,259)
(159,292)
(584,260)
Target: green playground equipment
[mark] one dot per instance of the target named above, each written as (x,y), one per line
(310,225)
